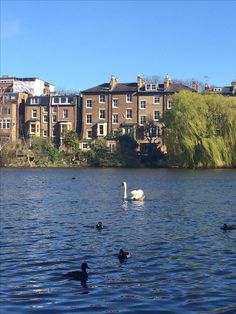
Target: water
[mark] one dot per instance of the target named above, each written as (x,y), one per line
(182,262)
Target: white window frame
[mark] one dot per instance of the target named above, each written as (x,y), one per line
(115,121)
(155,101)
(140,119)
(169,104)
(115,103)
(34,114)
(54,118)
(54,109)
(103,111)
(129,98)
(5,124)
(129,116)
(45,119)
(56,103)
(142,104)
(65,116)
(159,115)
(89,115)
(31,132)
(34,101)
(45,109)
(102,99)
(89,101)
(45,133)
(104,133)
(87,134)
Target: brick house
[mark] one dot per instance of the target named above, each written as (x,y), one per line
(127,107)
(222,90)
(50,117)
(11,116)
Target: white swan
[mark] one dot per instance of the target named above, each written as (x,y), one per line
(135,195)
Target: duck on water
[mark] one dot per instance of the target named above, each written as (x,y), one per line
(81,275)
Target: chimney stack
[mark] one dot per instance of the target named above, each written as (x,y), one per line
(167,81)
(113,82)
(195,86)
(140,81)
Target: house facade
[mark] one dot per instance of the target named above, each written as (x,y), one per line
(229,91)
(128,108)
(50,117)
(11,116)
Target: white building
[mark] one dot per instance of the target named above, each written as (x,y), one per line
(32,85)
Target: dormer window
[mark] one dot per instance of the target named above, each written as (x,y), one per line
(34,101)
(150,87)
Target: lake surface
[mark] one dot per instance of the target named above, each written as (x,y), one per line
(181,261)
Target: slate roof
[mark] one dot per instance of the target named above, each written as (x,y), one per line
(105,88)
(43,100)
(176,87)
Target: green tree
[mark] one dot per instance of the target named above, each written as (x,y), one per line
(200,130)
(126,151)
(71,141)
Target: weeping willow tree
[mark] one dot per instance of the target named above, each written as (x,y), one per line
(201,130)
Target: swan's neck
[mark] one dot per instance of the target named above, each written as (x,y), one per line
(125,190)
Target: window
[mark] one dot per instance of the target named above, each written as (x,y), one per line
(114,103)
(6,110)
(34,101)
(54,118)
(169,105)
(56,100)
(151,86)
(88,118)
(156,99)
(100,129)
(33,128)
(102,114)
(156,115)
(5,124)
(129,98)
(65,113)
(54,133)
(63,100)
(34,113)
(128,113)
(89,134)
(45,133)
(142,104)
(45,109)
(64,128)
(101,98)
(45,119)
(89,103)
(85,146)
(115,118)
(142,120)
(54,109)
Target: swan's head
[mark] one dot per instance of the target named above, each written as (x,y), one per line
(123,183)
(84,266)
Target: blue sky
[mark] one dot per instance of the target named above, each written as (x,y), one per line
(79,44)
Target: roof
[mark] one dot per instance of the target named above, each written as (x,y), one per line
(176,87)
(105,88)
(43,100)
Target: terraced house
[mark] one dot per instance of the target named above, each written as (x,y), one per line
(130,108)
(11,116)
(51,117)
